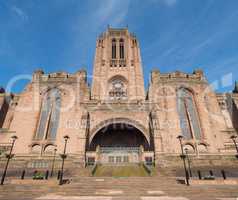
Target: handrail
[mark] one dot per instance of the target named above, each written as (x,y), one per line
(94,169)
(109,149)
(147,169)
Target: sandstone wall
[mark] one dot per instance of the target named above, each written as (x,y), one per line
(163,99)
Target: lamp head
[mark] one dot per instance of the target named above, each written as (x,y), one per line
(14,137)
(180,137)
(233,137)
(66,137)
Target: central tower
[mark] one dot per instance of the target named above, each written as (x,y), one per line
(118,73)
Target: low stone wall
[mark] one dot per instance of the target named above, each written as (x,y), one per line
(168,165)
(173,165)
(174,161)
(73,166)
(214,182)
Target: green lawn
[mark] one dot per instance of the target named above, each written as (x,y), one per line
(121,171)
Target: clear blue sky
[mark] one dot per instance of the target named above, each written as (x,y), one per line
(60,35)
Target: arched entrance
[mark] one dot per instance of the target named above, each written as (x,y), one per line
(118,143)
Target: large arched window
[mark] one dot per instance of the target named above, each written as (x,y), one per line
(50,113)
(114,49)
(122,49)
(188,115)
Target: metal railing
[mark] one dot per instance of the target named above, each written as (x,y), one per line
(119,149)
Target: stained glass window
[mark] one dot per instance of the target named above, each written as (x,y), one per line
(50,113)
(188,115)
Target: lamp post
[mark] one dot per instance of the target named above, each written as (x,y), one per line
(233,138)
(183,157)
(53,163)
(63,156)
(9,157)
(189,162)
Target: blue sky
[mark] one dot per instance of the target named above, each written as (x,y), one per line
(60,35)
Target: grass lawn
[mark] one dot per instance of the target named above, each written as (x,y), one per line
(121,171)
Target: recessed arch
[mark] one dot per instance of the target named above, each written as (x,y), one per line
(47,90)
(202,148)
(116,77)
(36,148)
(185,87)
(125,121)
(49,148)
(189,148)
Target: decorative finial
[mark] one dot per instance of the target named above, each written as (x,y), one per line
(2,90)
(236,87)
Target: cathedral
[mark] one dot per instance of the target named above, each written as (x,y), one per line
(116,120)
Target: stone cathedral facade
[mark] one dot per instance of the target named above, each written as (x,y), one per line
(116,119)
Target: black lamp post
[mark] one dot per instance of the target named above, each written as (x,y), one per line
(183,157)
(53,163)
(9,157)
(189,162)
(233,137)
(63,156)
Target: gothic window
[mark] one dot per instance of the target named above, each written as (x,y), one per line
(189,120)
(122,49)
(50,113)
(117,89)
(114,49)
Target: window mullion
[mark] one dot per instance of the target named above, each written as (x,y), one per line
(189,119)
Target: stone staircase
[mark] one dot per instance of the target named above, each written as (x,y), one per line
(126,186)
(162,184)
(134,188)
(81,171)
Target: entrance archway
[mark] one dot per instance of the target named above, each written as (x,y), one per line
(118,143)
(119,135)
(126,122)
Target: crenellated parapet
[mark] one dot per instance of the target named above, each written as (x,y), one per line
(74,83)
(117,33)
(61,77)
(196,76)
(166,84)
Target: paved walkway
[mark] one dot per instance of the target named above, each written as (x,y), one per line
(155,188)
